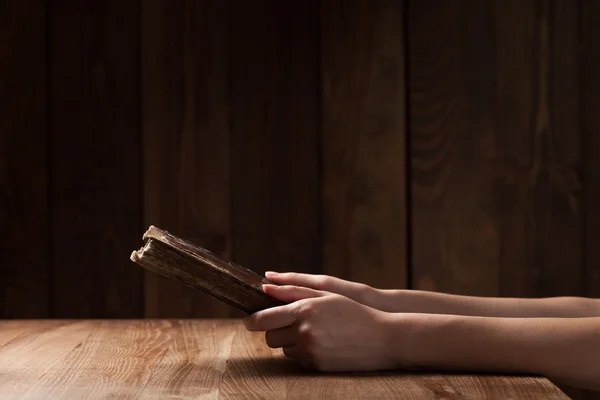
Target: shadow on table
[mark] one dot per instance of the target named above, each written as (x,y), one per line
(578,394)
(282,366)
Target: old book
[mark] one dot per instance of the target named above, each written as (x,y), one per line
(180,260)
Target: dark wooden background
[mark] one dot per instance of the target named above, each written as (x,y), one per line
(431,144)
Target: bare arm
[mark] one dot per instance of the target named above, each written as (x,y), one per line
(331,332)
(414,301)
(567,350)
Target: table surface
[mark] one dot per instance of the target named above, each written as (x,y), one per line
(208,359)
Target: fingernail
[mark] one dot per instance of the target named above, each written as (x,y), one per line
(266,285)
(271,273)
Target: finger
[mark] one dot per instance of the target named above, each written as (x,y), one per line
(290,293)
(282,337)
(271,318)
(294,352)
(319,282)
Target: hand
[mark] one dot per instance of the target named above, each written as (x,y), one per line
(325,331)
(358,292)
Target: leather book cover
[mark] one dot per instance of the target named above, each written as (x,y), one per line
(170,256)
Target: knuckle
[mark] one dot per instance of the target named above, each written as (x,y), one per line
(322,281)
(363,293)
(307,309)
(291,275)
(306,333)
(337,298)
(290,289)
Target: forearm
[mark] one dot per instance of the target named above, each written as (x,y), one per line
(567,350)
(414,301)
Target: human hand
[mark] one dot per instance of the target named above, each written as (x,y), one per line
(358,292)
(325,331)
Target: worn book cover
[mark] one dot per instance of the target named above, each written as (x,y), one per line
(175,258)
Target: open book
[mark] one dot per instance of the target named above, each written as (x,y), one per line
(180,260)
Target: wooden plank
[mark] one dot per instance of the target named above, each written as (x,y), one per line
(14,333)
(495,182)
(186,139)
(24,216)
(537,151)
(95,144)
(175,377)
(590,141)
(274,135)
(454,241)
(589,64)
(39,350)
(125,351)
(523,120)
(151,359)
(364,134)
(561,218)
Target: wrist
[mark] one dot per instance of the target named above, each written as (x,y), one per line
(398,339)
(369,296)
(438,341)
(456,342)
(423,339)
(385,300)
(398,301)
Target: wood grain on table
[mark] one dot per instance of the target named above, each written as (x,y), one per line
(148,359)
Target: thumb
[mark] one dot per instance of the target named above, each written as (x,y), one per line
(289,293)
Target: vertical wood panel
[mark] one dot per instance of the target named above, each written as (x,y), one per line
(561,221)
(364,193)
(95,158)
(589,78)
(186,139)
(496,207)
(523,112)
(590,98)
(455,242)
(538,147)
(274,127)
(24,215)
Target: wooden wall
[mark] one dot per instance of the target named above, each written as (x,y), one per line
(438,145)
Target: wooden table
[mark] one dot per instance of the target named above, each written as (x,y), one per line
(207,359)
